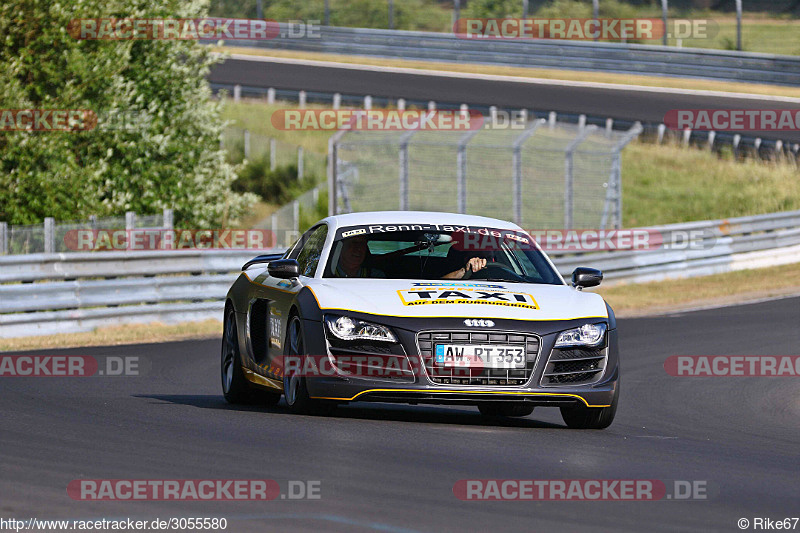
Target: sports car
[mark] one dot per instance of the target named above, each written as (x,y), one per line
(419,307)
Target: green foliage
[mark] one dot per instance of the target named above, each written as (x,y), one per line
(408,14)
(309,217)
(277,186)
(170,158)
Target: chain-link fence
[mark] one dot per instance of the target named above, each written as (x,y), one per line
(52,237)
(243,144)
(545,175)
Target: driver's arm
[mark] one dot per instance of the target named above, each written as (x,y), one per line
(474,264)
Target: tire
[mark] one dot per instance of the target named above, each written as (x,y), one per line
(500,409)
(295,388)
(235,387)
(591,417)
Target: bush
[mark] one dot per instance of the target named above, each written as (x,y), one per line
(277,186)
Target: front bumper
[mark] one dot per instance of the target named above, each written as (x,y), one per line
(419,388)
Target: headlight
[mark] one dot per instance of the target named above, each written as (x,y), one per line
(350,329)
(586,335)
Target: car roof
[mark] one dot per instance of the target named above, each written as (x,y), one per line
(416,217)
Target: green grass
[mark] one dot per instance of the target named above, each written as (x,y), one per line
(661,184)
(669,183)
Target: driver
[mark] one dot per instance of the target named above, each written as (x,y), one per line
(473,264)
(351,260)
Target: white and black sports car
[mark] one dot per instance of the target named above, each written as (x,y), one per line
(420,307)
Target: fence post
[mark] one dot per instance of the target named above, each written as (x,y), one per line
(296,216)
(461,168)
(401,104)
(431,105)
(609,126)
(337,100)
(300,169)
(49,235)
(569,153)
(391,14)
(169,218)
(301,99)
(271,95)
(273,160)
(739,25)
(327,13)
(687,134)
(711,136)
(456,10)
(516,168)
(664,20)
(551,119)
(130,220)
(403,178)
(368,102)
(581,121)
(246,144)
(3,238)
(333,163)
(661,129)
(237,92)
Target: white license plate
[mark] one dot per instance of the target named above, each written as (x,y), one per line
(480,356)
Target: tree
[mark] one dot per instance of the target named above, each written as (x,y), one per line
(157,141)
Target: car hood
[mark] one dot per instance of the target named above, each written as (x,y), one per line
(469,299)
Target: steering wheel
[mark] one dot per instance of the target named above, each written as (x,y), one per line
(494,271)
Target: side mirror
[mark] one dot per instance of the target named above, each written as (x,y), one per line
(586,277)
(284,268)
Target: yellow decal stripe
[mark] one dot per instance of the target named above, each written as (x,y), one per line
(462,392)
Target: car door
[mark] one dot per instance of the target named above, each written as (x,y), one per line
(269,309)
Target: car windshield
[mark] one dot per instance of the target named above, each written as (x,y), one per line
(405,252)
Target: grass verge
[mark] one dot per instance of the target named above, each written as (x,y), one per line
(540,73)
(116,335)
(705,291)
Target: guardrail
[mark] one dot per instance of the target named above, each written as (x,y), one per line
(53,293)
(606,57)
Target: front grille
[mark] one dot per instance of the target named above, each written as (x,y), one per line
(441,375)
(575,366)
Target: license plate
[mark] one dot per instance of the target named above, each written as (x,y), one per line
(479,355)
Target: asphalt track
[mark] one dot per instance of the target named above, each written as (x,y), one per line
(392,468)
(618,103)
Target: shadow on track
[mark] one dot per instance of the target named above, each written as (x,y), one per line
(466,416)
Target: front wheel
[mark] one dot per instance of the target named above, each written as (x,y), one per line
(295,390)
(591,417)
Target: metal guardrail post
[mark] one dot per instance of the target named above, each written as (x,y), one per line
(391,14)
(569,152)
(3,238)
(516,164)
(461,168)
(49,235)
(664,21)
(739,25)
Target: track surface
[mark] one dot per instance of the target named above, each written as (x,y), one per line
(392,468)
(622,104)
